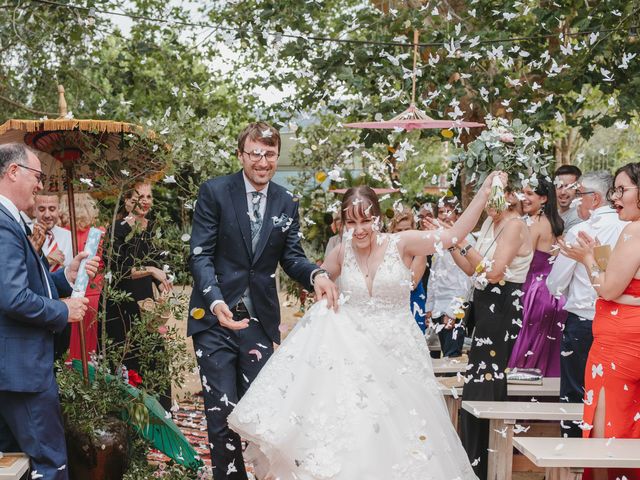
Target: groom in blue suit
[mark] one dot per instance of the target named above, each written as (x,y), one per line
(30,315)
(244,225)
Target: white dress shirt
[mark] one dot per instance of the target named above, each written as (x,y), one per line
(571,278)
(263,198)
(446,282)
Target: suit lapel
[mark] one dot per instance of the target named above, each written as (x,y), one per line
(238,197)
(273,201)
(29,245)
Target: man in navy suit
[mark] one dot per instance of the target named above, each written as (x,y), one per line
(244,225)
(30,315)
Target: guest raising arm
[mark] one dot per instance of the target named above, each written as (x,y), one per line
(501,258)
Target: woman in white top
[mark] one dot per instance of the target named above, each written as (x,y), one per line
(500,260)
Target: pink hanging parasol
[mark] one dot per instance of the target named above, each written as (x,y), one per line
(413,118)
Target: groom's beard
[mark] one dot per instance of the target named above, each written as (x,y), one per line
(261,176)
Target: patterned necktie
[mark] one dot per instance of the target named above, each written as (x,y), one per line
(52,246)
(256,218)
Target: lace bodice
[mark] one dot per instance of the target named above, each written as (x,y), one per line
(391,282)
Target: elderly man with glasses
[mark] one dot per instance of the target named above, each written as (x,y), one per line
(30,314)
(571,279)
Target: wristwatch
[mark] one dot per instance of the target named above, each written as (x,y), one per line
(465,250)
(315,273)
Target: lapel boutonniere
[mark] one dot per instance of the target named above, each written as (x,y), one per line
(283,221)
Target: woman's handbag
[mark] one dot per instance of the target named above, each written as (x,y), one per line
(524,376)
(159,310)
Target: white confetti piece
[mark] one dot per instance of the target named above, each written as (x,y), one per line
(257,353)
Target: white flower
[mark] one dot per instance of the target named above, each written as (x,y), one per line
(335,174)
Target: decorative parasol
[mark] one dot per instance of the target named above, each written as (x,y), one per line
(97,152)
(413,118)
(159,429)
(378,191)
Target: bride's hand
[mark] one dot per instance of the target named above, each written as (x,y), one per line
(325,288)
(486,185)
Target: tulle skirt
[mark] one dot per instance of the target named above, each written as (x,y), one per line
(350,395)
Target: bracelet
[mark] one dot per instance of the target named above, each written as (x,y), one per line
(595,270)
(320,272)
(465,250)
(451,248)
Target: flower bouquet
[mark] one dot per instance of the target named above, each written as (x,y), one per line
(512,147)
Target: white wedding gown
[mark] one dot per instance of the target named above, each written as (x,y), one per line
(352,395)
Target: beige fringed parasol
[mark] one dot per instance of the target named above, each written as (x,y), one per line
(98,153)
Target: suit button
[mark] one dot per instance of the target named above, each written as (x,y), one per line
(252,272)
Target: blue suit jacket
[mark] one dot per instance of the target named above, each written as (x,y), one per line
(28,317)
(221,259)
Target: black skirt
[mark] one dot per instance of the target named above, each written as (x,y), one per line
(496,315)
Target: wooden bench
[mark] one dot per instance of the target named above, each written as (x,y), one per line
(450,365)
(451,388)
(566,458)
(13,466)
(502,418)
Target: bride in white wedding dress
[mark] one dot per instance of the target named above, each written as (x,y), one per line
(351,395)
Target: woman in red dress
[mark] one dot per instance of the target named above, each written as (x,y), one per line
(86,217)
(612,376)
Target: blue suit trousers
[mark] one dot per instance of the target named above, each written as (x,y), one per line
(229,360)
(32,423)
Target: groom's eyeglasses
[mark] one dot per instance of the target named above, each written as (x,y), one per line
(258,155)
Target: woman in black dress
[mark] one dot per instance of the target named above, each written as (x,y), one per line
(500,261)
(136,270)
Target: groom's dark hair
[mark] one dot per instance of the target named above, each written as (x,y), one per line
(361,202)
(259,132)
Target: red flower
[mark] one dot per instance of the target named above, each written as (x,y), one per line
(134,378)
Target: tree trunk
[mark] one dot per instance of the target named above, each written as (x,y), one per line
(565,148)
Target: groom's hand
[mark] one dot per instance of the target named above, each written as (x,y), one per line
(325,288)
(225,317)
